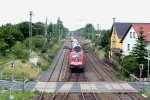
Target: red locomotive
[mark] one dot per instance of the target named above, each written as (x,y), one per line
(76,60)
(76,57)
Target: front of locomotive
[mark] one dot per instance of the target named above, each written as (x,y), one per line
(76,60)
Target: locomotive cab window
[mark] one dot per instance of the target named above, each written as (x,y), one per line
(76,57)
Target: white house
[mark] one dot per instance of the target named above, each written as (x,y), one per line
(129,39)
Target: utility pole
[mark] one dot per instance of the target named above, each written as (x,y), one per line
(148,56)
(45,32)
(30,32)
(148,65)
(23,83)
(11,97)
(114,20)
(92,32)
(97,29)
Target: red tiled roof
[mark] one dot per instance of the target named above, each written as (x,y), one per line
(146,29)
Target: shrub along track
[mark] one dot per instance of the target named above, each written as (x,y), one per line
(101,71)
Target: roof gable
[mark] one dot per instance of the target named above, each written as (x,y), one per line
(122,28)
(146,29)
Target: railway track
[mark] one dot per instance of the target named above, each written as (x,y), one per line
(80,77)
(60,64)
(56,71)
(98,66)
(100,71)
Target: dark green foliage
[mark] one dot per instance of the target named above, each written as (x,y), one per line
(3,46)
(104,40)
(21,54)
(139,50)
(10,34)
(38,42)
(131,64)
(38,28)
(24,28)
(89,30)
(20,51)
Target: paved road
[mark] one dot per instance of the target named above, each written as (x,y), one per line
(18,85)
(99,85)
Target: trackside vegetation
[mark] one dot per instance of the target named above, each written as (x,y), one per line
(14,46)
(18,95)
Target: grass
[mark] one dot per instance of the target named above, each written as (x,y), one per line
(29,70)
(18,95)
(147,93)
(25,68)
(55,47)
(104,93)
(44,63)
(6,59)
(123,78)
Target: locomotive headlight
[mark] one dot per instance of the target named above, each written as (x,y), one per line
(80,63)
(72,63)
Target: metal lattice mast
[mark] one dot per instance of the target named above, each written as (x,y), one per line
(30,32)
(45,32)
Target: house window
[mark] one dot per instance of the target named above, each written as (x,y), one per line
(130,34)
(133,34)
(128,47)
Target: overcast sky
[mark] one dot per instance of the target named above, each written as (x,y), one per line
(75,13)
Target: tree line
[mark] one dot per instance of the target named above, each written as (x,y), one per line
(11,34)
(100,38)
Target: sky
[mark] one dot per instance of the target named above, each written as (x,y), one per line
(75,13)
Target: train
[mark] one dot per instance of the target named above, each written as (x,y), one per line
(76,46)
(76,56)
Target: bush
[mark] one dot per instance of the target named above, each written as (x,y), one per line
(44,63)
(20,51)
(38,42)
(21,54)
(130,64)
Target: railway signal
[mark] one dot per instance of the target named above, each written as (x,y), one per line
(11,97)
(141,67)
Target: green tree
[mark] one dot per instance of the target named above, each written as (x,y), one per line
(38,42)
(38,28)
(20,51)
(131,64)
(139,50)
(104,38)
(24,28)
(10,33)
(89,30)
(3,46)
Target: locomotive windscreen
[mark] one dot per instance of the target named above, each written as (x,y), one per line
(76,57)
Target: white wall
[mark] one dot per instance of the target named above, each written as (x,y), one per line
(148,46)
(128,40)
